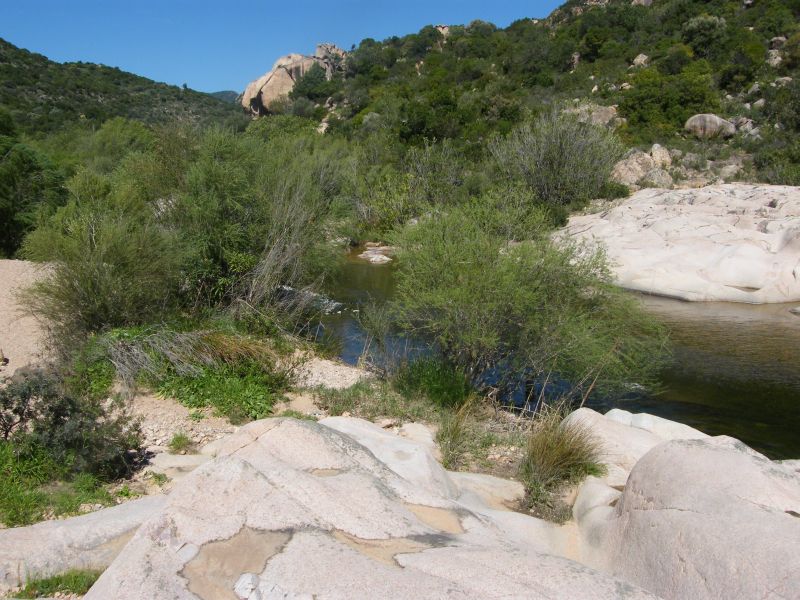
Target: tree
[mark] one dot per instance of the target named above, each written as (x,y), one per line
(314,85)
(29,186)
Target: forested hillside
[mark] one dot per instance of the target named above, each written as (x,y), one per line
(43,96)
(468,81)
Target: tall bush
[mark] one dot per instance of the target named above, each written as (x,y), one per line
(563,161)
(109,266)
(520,311)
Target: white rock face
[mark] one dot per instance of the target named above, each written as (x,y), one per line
(90,541)
(732,242)
(708,519)
(695,517)
(294,509)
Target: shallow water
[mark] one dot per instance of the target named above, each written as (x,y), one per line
(735,368)
(735,371)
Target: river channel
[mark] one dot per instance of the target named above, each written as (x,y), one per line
(735,368)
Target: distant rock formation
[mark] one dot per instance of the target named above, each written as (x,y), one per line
(276,83)
(729,243)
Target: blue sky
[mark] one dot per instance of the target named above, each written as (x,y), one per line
(222,45)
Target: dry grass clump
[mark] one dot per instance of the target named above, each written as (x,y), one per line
(149,354)
(558,453)
(454,434)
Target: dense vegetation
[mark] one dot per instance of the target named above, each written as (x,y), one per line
(186,256)
(43,96)
(473,81)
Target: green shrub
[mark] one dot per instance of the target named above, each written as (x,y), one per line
(72,582)
(82,435)
(280,126)
(109,266)
(657,105)
(613,190)
(778,161)
(705,34)
(30,188)
(33,484)
(314,85)
(565,162)
(90,373)
(522,310)
(557,453)
(180,443)
(239,376)
(374,399)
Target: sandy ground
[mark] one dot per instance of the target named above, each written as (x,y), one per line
(162,418)
(331,374)
(21,337)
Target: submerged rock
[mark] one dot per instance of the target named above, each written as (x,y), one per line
(377,254)
(732,242)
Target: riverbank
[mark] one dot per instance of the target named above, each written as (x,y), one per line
(732,370)
(383,500)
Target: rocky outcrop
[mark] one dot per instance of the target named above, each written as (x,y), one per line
(709,126)
(733,242)
(685,515)
(295,509)
(707,519)
(279,81)
(588,112)
(344,508)
(90,541)
(644,169)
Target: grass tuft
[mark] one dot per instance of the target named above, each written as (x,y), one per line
(72,582)
(557,454)
(180,442)
(454,434)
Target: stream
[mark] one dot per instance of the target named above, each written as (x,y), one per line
(735,368)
